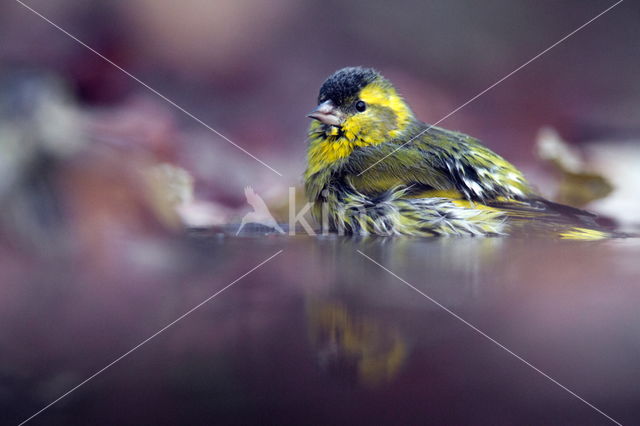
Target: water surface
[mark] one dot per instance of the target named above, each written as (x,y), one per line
(322,335)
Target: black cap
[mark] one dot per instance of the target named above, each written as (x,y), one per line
(345,84)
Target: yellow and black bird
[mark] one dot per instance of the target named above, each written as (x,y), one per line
(373,168)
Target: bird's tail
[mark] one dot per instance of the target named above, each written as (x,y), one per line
(542,217)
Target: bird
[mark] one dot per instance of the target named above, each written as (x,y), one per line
(260,214)
(374,168)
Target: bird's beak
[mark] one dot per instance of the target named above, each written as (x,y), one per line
(327,113)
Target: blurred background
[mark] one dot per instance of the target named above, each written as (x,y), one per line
(99,176)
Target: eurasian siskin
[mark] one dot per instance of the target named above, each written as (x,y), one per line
(373,168)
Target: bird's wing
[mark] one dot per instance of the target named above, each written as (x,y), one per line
(438,160)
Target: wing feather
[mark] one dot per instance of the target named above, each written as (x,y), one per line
(439,159)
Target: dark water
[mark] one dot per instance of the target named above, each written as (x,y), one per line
(322,335)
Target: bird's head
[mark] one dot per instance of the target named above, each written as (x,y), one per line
(359,106)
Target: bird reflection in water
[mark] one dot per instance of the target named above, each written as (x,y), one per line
(355,347)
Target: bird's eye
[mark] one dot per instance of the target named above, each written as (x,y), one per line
(361,106)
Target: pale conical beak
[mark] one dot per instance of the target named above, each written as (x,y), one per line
(327,113)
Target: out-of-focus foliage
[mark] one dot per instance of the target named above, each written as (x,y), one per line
(577,184)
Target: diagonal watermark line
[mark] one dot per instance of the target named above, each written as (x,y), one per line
(500,345)
(124,355)
(494,85)
(151,89)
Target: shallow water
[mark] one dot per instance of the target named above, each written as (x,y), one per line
(320,334)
